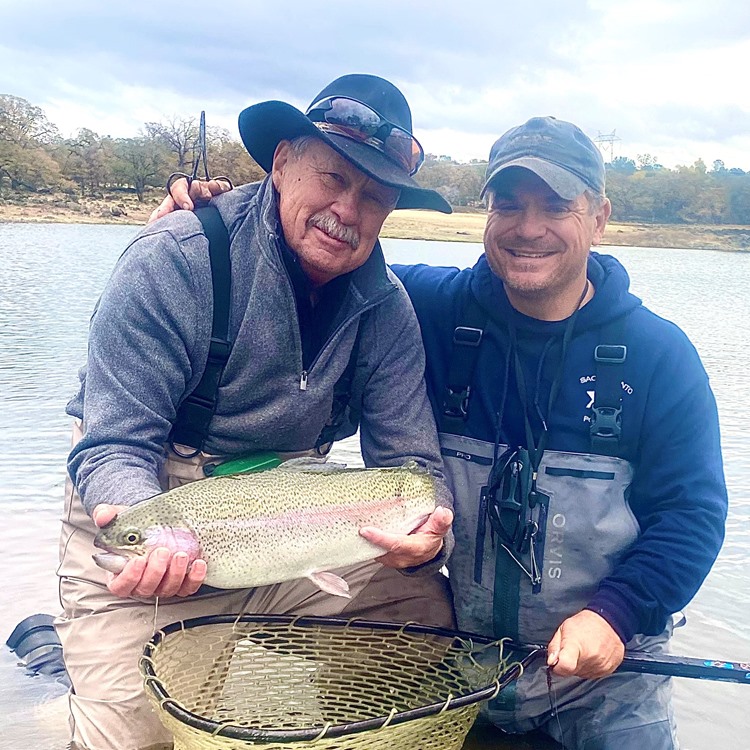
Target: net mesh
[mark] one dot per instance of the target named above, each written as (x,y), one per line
(317,683)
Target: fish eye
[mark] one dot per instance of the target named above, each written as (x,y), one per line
(132,536)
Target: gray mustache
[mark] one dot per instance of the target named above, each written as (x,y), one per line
(331,226)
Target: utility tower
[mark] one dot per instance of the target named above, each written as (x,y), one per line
(606,142)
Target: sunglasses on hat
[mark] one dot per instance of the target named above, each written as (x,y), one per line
(352,119)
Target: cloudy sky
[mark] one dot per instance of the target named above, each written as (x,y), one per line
(671,78)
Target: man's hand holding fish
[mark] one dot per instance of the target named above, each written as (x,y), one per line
(417,548)
(164,573)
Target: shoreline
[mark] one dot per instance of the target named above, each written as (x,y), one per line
(465,225)
(468,226)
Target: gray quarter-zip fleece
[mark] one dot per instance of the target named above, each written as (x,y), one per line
(148,346)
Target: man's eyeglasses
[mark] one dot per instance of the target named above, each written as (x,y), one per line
(352,119)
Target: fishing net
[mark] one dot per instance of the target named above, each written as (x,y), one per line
(321,683)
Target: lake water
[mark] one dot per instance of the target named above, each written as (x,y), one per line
(51,277)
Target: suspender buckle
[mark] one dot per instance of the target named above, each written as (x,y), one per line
(465,336)
(610,354)
(606,421)
(456,403)
(218,351)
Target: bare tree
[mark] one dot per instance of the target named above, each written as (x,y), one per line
(179,136)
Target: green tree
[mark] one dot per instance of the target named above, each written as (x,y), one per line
(141,163)
(436,174)
(697,167)
(648,162)
(89,160)
(229,158)
(738,198)
(459,184)
(27,139)
(620,193)
(622,165)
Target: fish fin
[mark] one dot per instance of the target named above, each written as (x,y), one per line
(415,523)
(310,463)
(330,583)
(110,561)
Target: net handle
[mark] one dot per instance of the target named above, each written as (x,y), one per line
(667,664)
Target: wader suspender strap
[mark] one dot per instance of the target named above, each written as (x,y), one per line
(194,415)
(606,416)
(342,392)
(466,340)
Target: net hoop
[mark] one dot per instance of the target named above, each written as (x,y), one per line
(476,644)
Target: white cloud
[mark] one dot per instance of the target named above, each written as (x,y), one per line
(667,75)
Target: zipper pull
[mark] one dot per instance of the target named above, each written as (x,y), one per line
(303,381)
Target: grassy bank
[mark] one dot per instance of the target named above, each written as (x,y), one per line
(462,226)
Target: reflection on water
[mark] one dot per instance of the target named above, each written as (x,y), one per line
(52,277)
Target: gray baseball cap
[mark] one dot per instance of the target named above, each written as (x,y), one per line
(557,151)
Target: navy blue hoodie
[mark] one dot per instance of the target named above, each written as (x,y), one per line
(669,421)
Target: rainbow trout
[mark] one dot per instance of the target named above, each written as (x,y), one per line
(298,520)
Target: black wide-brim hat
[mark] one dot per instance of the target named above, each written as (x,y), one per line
(263,126)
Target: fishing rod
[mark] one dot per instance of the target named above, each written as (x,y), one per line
(664,664)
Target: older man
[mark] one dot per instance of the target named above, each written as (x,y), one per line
(312,306)
(581,440)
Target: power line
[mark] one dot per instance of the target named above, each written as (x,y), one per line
(606,142)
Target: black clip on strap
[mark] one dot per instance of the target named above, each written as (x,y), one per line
(467,337)
(458,391)
(606,416)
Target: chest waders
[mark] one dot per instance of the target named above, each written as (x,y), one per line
(190,429)
(535,529)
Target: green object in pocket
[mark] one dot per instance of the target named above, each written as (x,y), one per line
(243,464)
